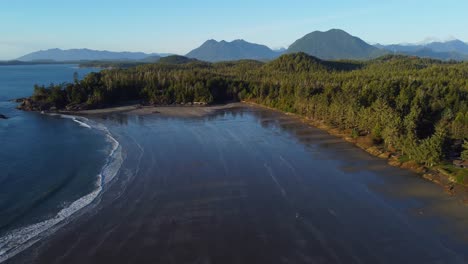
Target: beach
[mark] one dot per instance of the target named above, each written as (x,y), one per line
(170,111)
(242,184)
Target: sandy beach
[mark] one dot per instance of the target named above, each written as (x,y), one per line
(174,111)
(242,184)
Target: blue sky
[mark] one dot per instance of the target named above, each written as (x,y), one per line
(179,26)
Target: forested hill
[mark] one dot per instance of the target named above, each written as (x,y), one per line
(416,106)
(335,44)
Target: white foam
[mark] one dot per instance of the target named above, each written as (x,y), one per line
(19,239)
(83,124)
(78,119)
(115,161)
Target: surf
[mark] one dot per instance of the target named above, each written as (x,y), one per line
(17,240)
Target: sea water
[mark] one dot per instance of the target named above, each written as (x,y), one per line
(51,166)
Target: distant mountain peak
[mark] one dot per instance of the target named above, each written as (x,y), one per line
(425,41)
(337,30)
(449,49)
(430,40)
(334,44)
(214,51)
(453,49)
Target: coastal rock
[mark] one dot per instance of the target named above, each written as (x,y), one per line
(385,155)
(375,151)
(30,105)
(394,162)
(414,166)
(3,116)
(19,100)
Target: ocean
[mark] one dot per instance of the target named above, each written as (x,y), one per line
(51,166)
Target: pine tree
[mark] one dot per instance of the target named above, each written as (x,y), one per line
(464,154)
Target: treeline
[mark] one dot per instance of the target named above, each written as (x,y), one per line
(161,84)
(416,106)
(110,64)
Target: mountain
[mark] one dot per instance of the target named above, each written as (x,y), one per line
(83,54)
(449,50)
(429,53)
(214,51)
(334,44)
(397,48)
(449,46)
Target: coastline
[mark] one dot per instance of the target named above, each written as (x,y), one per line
(163,211)
(174,110)
(17,240)
(446,181)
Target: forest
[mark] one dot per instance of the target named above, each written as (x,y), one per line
(417,107)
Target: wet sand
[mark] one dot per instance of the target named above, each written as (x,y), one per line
(173,111)
(250,185)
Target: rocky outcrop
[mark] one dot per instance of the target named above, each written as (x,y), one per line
(30,105)
(18,100)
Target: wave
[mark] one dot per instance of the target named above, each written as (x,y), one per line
(81,121)
(83,124)
(20,239)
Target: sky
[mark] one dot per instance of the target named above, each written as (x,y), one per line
(178,26)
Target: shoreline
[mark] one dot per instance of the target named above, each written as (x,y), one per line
(163,211)
(171,110)
(446,181)
(17,240)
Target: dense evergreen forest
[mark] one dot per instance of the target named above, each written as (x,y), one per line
(418,107)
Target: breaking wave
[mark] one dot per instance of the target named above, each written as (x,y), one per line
(19,239)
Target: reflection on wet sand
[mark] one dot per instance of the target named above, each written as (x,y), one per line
(249,185)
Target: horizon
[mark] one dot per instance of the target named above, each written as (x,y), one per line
(423,42)
(152,27)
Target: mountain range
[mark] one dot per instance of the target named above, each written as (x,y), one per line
(448,50)
(448,46)
(334,44)
(60,55)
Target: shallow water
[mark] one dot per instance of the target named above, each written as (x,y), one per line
(250,185)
